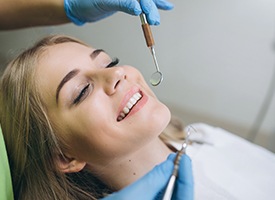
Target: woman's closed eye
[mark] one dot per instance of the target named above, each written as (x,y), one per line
(113,63)
(83,93)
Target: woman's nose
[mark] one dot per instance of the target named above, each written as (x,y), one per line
(112,78)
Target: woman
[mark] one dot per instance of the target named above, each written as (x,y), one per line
(85,125)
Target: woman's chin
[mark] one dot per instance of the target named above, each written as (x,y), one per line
(160,119)
(166,119)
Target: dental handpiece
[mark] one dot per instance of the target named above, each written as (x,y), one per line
(171,184)
(156,77)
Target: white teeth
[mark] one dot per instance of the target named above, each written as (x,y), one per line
(132,101)
(126,110)
(130,104)
(137,96)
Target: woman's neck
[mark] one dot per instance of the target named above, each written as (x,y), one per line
(120,173)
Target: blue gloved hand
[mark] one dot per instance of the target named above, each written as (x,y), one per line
(184,188)
(152,185)
(82,11)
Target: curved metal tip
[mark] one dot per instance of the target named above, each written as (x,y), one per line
(156,78)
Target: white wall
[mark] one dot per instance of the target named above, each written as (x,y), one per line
(216,55)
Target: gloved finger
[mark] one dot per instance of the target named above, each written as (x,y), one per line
(131,7)
(172,156)
(149,185)
(163,4)
(151,11)
(184,188)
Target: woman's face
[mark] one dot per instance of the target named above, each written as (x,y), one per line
(101,111)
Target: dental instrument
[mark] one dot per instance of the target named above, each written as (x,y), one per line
(171,184)
(156,77)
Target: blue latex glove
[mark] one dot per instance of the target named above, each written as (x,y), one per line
(184,188)
(153,184)
(82,11)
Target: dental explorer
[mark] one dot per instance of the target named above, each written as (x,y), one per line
(171,184)
(156,77)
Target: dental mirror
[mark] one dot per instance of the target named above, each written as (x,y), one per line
(156,78)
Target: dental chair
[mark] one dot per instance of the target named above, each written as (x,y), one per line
(6,192)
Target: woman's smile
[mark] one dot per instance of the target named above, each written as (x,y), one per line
(133,101)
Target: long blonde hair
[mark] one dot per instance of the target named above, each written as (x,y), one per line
(31,142)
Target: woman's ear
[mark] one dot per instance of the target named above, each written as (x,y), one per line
(69,165)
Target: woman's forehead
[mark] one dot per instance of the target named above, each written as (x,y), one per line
(69,48)
(58,60)
(64,54)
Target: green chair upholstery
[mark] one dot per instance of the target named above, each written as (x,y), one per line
(6,192)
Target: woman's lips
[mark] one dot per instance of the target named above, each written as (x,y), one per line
(133,102)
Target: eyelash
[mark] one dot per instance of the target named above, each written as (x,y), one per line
(81,94)
(114,62)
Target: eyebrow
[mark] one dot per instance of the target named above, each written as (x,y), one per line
(95,53)
(73,73)
(68,77)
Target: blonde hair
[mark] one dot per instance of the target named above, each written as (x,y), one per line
(174,132)
(31,142)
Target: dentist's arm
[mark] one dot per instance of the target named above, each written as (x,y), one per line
(25,13)
(152,185)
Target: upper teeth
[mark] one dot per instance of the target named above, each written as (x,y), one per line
(132,101)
